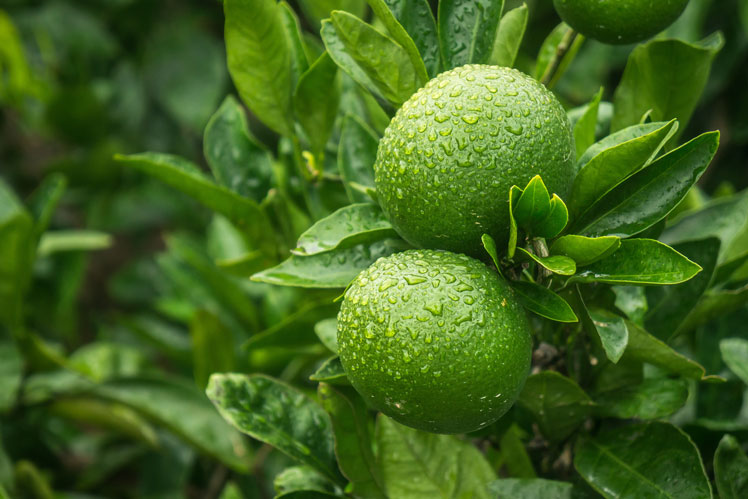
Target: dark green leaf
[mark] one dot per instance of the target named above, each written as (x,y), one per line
(316,101)
(614,334)
(644,460)
(332,269)
(279,415)
(349,226)
(555,222)
(608,162)
(653,399)
(73,240)
(642,262)
(562,265)
(294,329)
(237,160)
(543,301)
(421,465)
(44,200)
(530,488)
(585,250)
(259,60)
(534,205)
(353,444)
(385,63)
(212,347)
(509,37)
(467,29)
(16,256)
(11,372)
(514,454)
(735,354)
(731,469)
(714,304)
(557,403)
(331,371)
(327,332)
(651,194)
(418,20)
(357,154)
(666,76)
(585,127)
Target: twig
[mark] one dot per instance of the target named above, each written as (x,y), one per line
(563,48)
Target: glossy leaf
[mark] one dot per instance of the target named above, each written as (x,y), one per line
(331,371)
(299,59)
(652,399)
(316,101)
(277,414)
(259,60)
(351,225)
(509,37)
(644,460)
(327,332)
(332,269)
(514,194)
(585,250)
(385,63)
(73,240)
(16,255)
(607,163)
(613,333)
(418,20)
(585,127)
(641,262)
(11,372)
(303,480)
(357,154)
(735,354)
(530,488)
(562,265)
(353,442)
(534,205)
(467,30)
(490,246)
(730,469)
(237,160)
(555,222)
(651,194)
(558,405)
(543,301)
(666,76)
(422,465)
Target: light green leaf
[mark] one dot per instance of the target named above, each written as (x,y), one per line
(303,480)
(316,101)
(327,332)
(509,37)
(514,194)
(555,222)
(585,250)
(731,469)
(73,240)
(259,60)
(585,127)
(530,488)
(614,334)
(543,301)
(735,354)
(652,399)
(562,265)
(331,371)
(317,10)
(357,154)
(299,59)
(421,465)
(418,20)
(534,205)
(490,246)
(467,30)
(514,454)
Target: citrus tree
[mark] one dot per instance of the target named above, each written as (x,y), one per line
(426,272)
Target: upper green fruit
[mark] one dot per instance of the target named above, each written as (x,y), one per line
(619,21)
(435,340)
(454,149)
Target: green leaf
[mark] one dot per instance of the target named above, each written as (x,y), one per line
(421,465)
(237,160)
(731,469)
(607,163)
(530,488)
(316,101)
(186,177)
(651,194)
(418,20)
(644,460)
(327,332)
(490,246)
(11,373)
(543,301)
(509,37)
(534,205)
(735,354)
(514,194)
(666,76)
(277,414)
(646,348)
(316,10)
(332,269)
(386,63)
(514,455)
(353,443)
(555,222)
(73,240)
(331,371)
(467,29)
(585,127)
(669,306)
(259,60)
(550,48)
(351,225)
(212,347)
(585,250)
(557,403)
(562,265)
(44,200)
(714,304)
(299,60)
(613,333)
(652,399)
(357,154)
(295,329)
(303,480)
(641,262)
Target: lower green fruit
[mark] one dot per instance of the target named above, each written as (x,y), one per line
(619,22)
(435,340)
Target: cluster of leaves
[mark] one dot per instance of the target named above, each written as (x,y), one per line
(638,281)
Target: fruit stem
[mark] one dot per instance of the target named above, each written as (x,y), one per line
(563,48)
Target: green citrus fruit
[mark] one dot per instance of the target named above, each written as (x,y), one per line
(619,21)
(454,149)
(435,340)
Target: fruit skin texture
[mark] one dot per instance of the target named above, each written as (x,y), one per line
(619,22)
(435,340)
(454,149)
